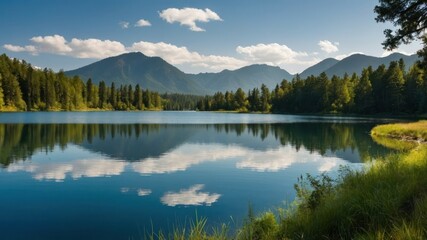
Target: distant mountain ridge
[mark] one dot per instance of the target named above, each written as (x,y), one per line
(355,64)
(246,78)
(156,74)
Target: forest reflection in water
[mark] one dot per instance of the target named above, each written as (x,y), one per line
(136,142)
(119,178)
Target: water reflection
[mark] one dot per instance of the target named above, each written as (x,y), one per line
(278,159)
(119,179)
(143,192)
(191,196)
(58,171)
(187,155)
(151,143)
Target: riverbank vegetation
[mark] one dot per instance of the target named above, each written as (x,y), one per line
(382,90)
(387,200)
(416,131)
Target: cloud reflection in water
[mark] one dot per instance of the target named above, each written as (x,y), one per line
(180,159)
(58,171)
(190,197)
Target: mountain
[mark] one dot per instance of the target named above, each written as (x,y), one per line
(156,74)
(246,78)
(152,73)
(356,62)
(318,68)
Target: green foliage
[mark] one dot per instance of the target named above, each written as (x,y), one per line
(407,15)
(263,227)
(394,89)
(385,90)
(195,230)
(340,94)
(312,190)
(183,101)
(23,87)
(1,93)
(403,131)
(364,99)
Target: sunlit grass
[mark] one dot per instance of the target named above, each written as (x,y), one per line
(387,200)
(416,131)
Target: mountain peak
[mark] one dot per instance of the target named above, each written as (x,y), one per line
(319,67)
(156,74)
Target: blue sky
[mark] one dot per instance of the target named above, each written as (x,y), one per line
(194,35)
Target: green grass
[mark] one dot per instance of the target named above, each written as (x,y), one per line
(387,200)
(404,131)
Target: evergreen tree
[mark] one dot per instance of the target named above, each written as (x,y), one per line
(265,99)
(130,97)
(255,100)
(415,97)
(229,100)
(324,85)
(218,101)
(146,97)
(77,98)
(408,16)
(138,98)
(49,89)
(89,92)
(63,91)
(113,96)
(103,94)
(340,94)
(364,99)
(1,93)
(378,81)
(11,92)
(394,88)
(240,101)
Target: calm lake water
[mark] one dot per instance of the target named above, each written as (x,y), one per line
(112,175)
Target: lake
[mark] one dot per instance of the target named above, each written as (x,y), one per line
(114,175)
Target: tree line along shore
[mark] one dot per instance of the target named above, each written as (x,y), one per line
(387,89)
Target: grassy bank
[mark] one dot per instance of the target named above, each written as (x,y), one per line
(387,200)
(416,131)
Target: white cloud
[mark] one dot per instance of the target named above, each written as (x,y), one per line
(78,48)
(274,160)
(98,49)
(189,17)
(143,192)
(328,165)
(190,197)
(328,46)
(342,56)
(272,53)
(95,48)
(181,55)
(96,168)
(191,61)
(387,52)
(277,55)
(186,156)
(51,44)
(76,169)
(124,24)
(142,23)
(271,160)
(13,48)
